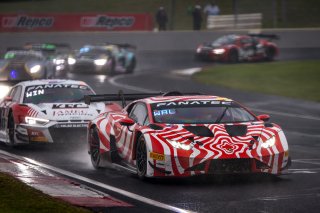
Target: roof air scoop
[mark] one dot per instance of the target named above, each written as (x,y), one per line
(201,131)
(236,130)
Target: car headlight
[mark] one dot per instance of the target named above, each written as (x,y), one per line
(198,49)
(35,68)
(179,145)
(218,51)
(58,61)
(4,90)
(269,143)
(71,61)
(36,121)
(100,62)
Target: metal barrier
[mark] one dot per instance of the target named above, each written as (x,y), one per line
(240,21)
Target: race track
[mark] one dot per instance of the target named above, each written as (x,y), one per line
(297,192)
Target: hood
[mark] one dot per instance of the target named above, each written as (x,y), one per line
(229,138)
(69,111)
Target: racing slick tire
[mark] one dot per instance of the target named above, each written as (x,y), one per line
(94,148)
(270,53)
(233,56)
(131,66)
(141,158)
(11,130)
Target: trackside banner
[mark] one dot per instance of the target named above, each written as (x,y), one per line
(75,22)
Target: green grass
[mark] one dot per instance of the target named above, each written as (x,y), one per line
(299,13)
(296,79)
(17,197)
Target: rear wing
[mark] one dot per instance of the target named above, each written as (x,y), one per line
(47,47)
(266,36)
(122,45)
(129,97)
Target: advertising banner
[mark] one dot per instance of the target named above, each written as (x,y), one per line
(75,22)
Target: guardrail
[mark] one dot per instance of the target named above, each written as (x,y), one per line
(240,21)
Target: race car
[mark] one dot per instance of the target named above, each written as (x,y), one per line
(57,53)
(182,135)
(236,48)
(103,59)
(46,111)
(20,64)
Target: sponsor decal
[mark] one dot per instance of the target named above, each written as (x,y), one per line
(72,113)
(70,106)
(71,125)
(53,86)
(193,103)
(164,112)
(29,22)
(157,156)
(107,21)
(34,93)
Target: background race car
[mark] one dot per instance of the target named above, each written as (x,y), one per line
(57,53)
(186,135)
(47,111)
(235,48)
(20,64)
(104,59)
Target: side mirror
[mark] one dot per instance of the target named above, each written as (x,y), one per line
(264,117)
(126,122)
(8,99)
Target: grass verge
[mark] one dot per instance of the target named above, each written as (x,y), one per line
(17,197)
(296,79)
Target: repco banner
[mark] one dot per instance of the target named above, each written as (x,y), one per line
(75,22)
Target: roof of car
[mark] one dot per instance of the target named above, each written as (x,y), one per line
(50,81)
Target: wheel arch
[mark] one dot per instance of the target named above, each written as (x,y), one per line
(136,138)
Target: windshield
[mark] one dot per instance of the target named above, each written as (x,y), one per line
(93,52)
(202,113)
(56,93)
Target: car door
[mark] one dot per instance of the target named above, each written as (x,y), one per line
(125,142)
(12,98)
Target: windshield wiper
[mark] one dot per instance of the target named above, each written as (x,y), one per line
(222,115)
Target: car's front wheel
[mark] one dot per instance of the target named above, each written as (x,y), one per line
(141,158)
(11,130)
(94,148)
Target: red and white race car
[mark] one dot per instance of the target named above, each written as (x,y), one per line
(185,135)
(46,111)
(235,48)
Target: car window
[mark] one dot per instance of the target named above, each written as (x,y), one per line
(16,93)
(139,114)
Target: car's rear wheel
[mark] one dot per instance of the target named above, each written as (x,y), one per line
(233,56)
(94,146)
(270,53)
(141,158)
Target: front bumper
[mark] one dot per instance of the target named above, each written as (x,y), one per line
(56,133)
(185,167)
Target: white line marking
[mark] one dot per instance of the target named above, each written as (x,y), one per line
(102,185)
(307,162)
(139,89)
(303,134)
(287,114)
(187,72)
